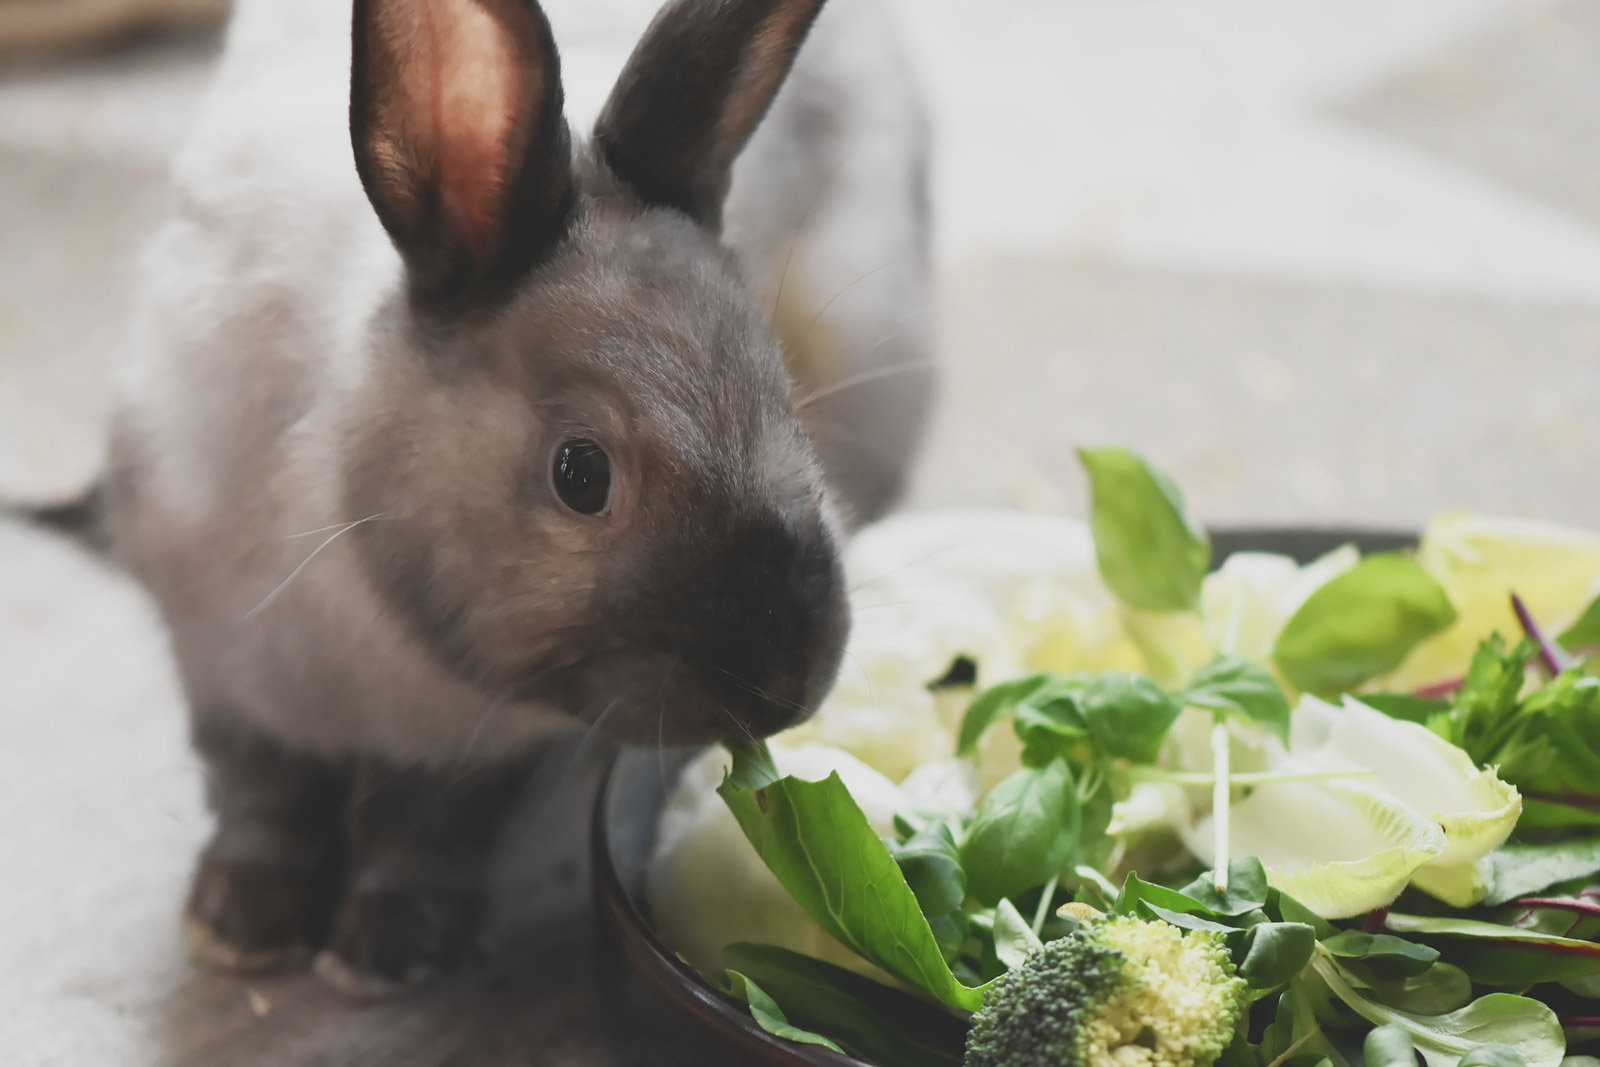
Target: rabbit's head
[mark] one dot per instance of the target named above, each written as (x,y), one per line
(577,427)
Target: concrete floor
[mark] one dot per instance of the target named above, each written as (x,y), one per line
(1322,259)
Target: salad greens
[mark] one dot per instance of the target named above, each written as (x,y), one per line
(1457,918)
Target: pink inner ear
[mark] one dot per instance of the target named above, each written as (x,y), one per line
(453,106)
(475,101)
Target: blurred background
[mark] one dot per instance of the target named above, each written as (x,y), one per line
(1322,260)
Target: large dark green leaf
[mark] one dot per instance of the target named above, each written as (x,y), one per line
(1504,956)
(873,1022)
(1520,870)
(1149,551)
(815,839)
(1361,623)
(1023,834)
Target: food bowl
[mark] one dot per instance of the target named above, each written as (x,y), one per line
(636,787)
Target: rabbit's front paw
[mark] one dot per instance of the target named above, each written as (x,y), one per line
(246,918)
(388,941)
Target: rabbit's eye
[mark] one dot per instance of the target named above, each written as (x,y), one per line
(582,476)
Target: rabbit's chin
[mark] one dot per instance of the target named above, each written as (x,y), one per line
(665,700)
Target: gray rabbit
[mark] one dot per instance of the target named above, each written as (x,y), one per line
(485,431)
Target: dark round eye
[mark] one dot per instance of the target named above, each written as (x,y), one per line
(582,476)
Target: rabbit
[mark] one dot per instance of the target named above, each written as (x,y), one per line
(449,427)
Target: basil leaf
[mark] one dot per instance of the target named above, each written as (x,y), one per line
(1398,957)
(1276,952)
(1127,715)
(932,868)
(1014,939)
(872,1021)
(1360,624)
(1023,834)
(1389,1046)
(1238,687)
(815,839)
(771,1018)
(1247,889)
(1519,870)
(997,701)
(1149,552)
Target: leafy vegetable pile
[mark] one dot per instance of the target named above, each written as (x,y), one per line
(1262,859)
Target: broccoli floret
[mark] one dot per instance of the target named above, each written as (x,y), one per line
(1117,992)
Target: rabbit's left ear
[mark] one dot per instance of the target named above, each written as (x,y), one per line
(693,92)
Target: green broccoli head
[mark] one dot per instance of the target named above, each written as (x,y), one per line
(1117,992)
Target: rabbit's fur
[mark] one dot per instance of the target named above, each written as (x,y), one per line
(331,459)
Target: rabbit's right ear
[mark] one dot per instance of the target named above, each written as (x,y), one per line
(455,117)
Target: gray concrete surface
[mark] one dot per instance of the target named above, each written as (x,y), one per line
(1325,260)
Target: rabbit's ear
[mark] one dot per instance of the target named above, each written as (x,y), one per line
(455,117)
(693,92)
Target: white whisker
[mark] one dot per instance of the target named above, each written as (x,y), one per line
(270,597)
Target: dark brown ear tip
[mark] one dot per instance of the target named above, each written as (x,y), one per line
(696,87)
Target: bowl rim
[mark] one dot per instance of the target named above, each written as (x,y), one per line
(665,971)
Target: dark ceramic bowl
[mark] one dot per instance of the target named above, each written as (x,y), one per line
(635,789)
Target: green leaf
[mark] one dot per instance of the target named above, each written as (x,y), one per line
(878,1024)
(1389,1046)
(1585,632)
(1282,906)
(1494,1056)
(932,868)
(1525,1025)
(1247,889)
(1184,920)
(753,767)
(1405,707)
(1505,956)
(1361,623)
(1440,989)
(1149,551)
(1276,952)
(1014,939)
(1127,715)
(766,1012)
(815,839)
(997,701)
(1397,957)
(1137,894)
(1023,834)
(1238,687)
(1520,870)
